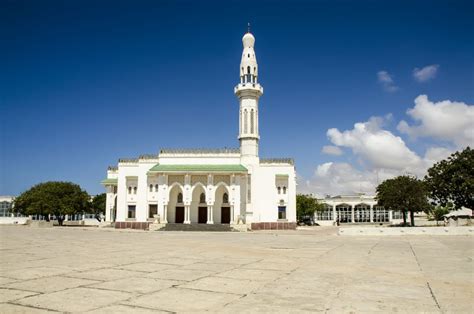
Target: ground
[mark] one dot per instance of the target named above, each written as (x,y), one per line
(110,271)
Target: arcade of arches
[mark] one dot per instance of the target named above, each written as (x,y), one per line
(200,209)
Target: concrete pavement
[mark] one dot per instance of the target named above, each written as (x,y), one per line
(110,271)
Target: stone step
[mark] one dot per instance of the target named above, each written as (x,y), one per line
(197,227)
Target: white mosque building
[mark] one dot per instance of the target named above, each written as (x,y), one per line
(208,186)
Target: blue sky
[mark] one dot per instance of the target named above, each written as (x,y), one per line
(83,83)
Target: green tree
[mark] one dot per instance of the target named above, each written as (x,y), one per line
(98,205)
(439,211)
(452,180)
(403,193)
(53,198)
(306,205)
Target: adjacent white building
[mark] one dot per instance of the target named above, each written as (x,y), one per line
(209,186)
(359,208)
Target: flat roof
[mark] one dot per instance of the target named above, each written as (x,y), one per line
(198,168)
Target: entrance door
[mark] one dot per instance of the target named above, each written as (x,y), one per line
(225,215)
(179,215)
(202,217)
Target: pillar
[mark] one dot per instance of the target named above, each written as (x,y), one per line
(371,213)
(352,214)
(165,214)
(232,214)
(187,216)
(210,218)
(334,213)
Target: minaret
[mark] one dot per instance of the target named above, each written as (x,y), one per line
(248,91)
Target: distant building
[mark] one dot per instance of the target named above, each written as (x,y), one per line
(6,205)
(355,209)
(460,217)
(209,186)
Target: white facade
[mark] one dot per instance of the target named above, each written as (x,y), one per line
(361,209)
(208,185)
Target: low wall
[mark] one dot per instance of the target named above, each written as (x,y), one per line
(400,231)
(273,225)
(13,220)
(132,225)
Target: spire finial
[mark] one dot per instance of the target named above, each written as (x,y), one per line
(248,27)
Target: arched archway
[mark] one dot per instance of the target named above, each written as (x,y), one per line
(175,208)
(198,209)
(362,213)
(222,209)
(344,213)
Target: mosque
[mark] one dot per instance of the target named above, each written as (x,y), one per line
(208,186)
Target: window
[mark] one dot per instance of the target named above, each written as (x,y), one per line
(156,187)
(180,198)
(202,198)
(152,210)
(245,121)
(225,198)
(397,214)
(151,187)
(131,211)
(251,121)
(279,190)
(344,213)
(380,214)
(281,212)
(284,190)
(134,190)
(362,213)
(129,190)
(325,214)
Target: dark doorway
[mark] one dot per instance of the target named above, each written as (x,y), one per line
(202,217)
(225,215)
(152,210)
(179,215)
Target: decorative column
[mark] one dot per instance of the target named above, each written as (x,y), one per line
(210,218)
(334,213)
(352,214)
(232,214)
(187,216)
(165,213)
(371,213)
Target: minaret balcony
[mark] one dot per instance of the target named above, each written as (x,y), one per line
(250,87)
(248,136)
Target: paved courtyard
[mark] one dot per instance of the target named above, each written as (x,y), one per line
(109,271)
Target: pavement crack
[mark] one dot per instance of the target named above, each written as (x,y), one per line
(416,257)
(372,248)
(33,307)
(433,296)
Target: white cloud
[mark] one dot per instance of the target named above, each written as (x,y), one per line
(426,73)
(379,147)
(445,120)
(332,150)
(387,81)
(334,178)
(338,178)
